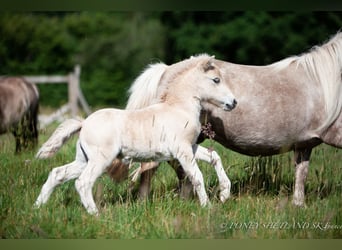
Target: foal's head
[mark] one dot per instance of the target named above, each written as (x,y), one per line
(210,85)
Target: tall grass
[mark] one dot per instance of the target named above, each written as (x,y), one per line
(260,206)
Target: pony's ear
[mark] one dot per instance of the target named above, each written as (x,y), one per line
(208,65)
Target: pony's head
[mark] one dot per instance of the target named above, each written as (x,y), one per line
(198,77)
(211,86)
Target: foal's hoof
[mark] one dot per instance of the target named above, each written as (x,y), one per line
(205,203)
(93,212)
(224,195)
(37,204)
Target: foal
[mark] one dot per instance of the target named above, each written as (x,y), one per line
(163,131)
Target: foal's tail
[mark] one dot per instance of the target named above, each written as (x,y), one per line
(144,90)
(59,137)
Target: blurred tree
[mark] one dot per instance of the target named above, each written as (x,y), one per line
(114,47)
(247,37)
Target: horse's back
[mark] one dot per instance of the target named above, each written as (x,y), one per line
(18,89)
(101,123)
(17,98)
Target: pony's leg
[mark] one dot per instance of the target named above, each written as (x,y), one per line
(145,179)
(17,136)
(212,157)
(85,182)
(118,171)
(60,175)
(188,162)
(17,143)
(302,158)
(184,184)
(32,130)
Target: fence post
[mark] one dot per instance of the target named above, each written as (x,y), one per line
(73,88)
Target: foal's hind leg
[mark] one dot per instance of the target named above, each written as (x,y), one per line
(60,175)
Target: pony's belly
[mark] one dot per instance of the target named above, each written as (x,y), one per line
(259,150)
(268,148)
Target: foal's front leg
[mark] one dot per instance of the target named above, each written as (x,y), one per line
(188,161)
(202,153)
(86,180)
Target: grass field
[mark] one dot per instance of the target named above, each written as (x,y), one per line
(260,206)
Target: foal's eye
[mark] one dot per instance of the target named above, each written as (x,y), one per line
(216,80)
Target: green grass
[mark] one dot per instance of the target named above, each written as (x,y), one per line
(260,206)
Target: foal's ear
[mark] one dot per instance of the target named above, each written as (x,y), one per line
(208,65)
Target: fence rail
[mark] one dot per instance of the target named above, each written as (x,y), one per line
(74,91)
(47,79)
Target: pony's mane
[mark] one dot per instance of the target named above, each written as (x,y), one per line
(143,91)
(175,70)
(323,64)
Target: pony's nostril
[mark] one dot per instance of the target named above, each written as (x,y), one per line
(230,106)
(234,104)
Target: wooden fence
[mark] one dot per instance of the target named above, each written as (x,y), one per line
(74,94)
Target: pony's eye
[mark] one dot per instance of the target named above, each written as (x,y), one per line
(216,80)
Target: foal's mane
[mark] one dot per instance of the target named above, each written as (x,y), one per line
(175,70)
(323,64)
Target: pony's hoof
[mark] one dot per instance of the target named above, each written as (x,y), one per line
(298,203)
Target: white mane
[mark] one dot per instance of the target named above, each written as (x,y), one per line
(144,89)
(324,65)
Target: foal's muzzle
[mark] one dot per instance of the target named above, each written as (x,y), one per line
(230,106)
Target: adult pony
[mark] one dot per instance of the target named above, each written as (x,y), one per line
(19,103)
(164,131)
(290,105)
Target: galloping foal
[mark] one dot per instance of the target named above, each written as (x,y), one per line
(163,131)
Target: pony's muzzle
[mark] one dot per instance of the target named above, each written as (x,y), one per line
(230,106)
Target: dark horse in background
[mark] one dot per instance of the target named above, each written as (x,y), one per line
(19,103)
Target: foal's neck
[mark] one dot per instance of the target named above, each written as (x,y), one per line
(189,104)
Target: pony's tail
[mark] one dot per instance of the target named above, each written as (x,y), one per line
(144,89)
(59,137)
